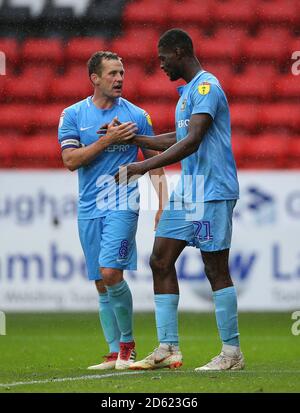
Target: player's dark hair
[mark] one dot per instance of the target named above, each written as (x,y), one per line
(94,64)
(177,38)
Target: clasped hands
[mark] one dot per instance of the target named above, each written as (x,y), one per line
(123,132)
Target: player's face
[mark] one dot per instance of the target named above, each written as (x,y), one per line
(169,63)
(110,82)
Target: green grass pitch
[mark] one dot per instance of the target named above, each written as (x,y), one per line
(50,353)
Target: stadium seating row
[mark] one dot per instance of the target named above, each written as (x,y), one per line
(247,117)
(237,12)
(44,84)
(225,45)
(269,150)
(248,45)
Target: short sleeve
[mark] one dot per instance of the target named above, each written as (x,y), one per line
(145,125)
(68,135)
(205,98)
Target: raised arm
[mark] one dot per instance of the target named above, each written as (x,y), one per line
(74,158)
(157,143)
(198,126)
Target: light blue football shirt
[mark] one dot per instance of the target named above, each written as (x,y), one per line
(98,192)
(214,159)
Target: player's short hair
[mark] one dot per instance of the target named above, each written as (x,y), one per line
(94,63)
(177,38)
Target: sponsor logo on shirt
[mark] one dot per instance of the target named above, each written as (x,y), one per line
(183,123)
(117,148)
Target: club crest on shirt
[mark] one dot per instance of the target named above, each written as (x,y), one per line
(183,105)
(204,88)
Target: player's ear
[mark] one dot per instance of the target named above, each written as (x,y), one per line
(94,79)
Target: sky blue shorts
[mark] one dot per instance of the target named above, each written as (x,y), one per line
(210,233)
(109,242)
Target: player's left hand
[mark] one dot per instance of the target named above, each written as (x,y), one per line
(129,173)
(103,129)
(157,218)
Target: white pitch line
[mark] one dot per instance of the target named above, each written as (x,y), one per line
(62,379)
(131,373)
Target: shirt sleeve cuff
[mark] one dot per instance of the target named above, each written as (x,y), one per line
(204,109)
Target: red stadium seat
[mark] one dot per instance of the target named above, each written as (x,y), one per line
(27,86)
(16,117)
(279,115)
(9,46)
(270,44)
(8,145)
(162,115)
(40,71)
(134,76)
(234,12)
(43,50)
(224,46)
(47,116)
(244,116)
(146,12)
(222,70)
(264,69)
(74,85)
(239,148)
(186,12)
(39,151)
(81,48)
(261,151)
(159,87)
(252,85)
(293,156)
(277,11)
(137,45)
(288,86)
(268,151)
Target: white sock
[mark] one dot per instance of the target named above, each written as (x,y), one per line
(231,350)
(165,346)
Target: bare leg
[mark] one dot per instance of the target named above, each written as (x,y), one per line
(162,262)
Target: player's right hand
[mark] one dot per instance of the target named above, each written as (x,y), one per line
(121,132)
(103,129)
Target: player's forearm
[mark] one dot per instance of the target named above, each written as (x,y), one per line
(158,143)
(159,182)
(172,155)
(76,158)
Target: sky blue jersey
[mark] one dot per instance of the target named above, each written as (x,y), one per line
(213,163)
(98,192)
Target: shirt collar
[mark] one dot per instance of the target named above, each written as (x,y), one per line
(181,88)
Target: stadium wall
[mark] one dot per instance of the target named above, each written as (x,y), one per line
(42,266)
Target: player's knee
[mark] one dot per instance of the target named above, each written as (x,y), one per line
(158,265)
(111,276)
(218,279)
(209,270)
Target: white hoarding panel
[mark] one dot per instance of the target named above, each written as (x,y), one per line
(42,266)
